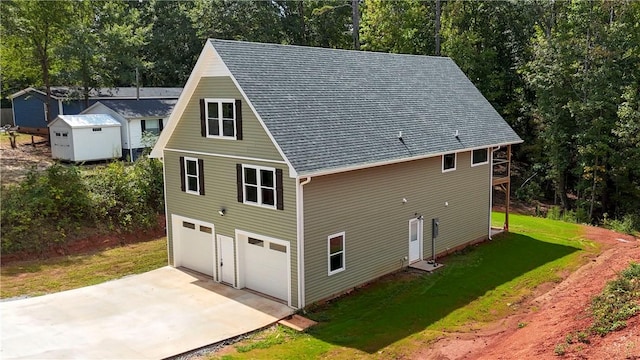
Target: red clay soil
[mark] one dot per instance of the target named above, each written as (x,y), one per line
(93,243)
(553,313)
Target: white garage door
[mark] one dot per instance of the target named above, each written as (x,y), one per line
(265,267)
(193,244)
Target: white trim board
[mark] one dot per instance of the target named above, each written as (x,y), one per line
(225,156)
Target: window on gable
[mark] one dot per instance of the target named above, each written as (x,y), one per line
(335,245)
(96,129)
(221,118)
(192,175)
(480,157)
(449,162)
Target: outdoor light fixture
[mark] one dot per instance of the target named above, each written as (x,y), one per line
(222,211)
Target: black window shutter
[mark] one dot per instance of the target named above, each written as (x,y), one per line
(279,192)
(201,175)
(238,120)
(239,182)
(182,180)
(143,125)
(203,119)
(160,124)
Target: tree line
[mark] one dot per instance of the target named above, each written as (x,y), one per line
(564,74)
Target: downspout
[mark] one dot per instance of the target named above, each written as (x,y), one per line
(129,136)
(300,206)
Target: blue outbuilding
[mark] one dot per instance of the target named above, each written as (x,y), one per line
(29,110)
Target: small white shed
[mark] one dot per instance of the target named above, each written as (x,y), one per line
(87,137)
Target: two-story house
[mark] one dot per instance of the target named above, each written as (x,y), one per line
(303,172)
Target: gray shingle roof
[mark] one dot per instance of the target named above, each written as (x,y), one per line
(331,109)
(64,92)
(132,108)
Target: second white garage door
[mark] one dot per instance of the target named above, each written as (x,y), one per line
(265,266)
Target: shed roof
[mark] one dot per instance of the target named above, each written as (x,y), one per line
(143,108)
(87,120)
(333,110)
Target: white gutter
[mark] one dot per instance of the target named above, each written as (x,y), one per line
(300,230)
(395,161)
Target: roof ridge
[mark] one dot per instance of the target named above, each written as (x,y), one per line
(316,48)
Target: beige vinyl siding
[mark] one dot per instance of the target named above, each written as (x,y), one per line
(368,206)
(220,192)
(187,136)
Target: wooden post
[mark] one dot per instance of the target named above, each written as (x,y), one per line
(506,213)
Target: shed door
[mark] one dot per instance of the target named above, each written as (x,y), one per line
(265,266)
(61,143)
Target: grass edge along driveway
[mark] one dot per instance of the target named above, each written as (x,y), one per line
(40,277)
(400,313)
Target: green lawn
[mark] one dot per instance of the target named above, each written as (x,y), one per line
(388,319)
(39,277)
(393,317)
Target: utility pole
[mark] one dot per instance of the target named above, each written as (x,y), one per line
(438,11)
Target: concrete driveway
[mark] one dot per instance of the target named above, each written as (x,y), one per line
(154,315)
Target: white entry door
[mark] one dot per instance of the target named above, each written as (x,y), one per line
(415,239)
(227,260)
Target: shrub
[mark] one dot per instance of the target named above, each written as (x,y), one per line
(554,213)
(47,207)
(628,224)
(43,209)
(618,302)
(128,197)
(560,349)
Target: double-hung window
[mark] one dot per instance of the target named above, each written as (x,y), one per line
(153,126)
(449,162)
(220,117)
(259,185)
(192,175)
(335,245)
